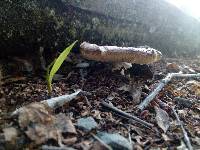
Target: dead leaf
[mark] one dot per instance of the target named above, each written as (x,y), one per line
(134,90)
(34,113)
(39,133)
(172,67)
(10,134)
(40,125)
(98,146)
(194,87)
(182,113)
(64,124)
(85,145)
(162,119)
(96,114)
(69,141)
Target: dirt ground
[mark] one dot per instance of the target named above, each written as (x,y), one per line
(105,85)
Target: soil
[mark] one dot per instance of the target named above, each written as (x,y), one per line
(104,85)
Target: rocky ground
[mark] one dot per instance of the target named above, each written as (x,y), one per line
(85,123)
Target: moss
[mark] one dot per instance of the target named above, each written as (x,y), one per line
(31,24)
(72,32)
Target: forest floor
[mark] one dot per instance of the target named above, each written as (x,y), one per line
(86,123)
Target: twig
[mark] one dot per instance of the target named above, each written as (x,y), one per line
(87,101)
(47,147)
(162,83)
(61,100)
(186,138)
(114,109)
(129,135)
(56,101)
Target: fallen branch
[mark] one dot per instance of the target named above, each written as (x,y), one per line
(186,138)
(162,83)
(118,111)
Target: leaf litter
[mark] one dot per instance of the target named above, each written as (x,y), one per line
(40,127)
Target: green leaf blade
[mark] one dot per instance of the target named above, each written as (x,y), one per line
(58,63)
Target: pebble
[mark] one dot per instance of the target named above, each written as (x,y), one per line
(116,141)
(87,124)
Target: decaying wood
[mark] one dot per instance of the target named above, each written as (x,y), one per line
(126,115)
(162,83)
(186,138)
(120,54)
(61,100)
(56,101)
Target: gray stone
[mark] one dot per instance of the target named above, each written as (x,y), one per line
(87,124)
(116,141)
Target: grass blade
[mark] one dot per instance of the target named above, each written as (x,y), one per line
(58,62)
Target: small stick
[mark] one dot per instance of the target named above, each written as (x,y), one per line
(47,147)
(162,83)
(114,109)
(186,138)
(129,135)
(56,101)
(60,100)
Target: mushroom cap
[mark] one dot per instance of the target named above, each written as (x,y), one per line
(119,54)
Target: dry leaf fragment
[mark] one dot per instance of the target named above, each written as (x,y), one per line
(134,90)
(40,125)
(194,87)
(98,146)
(64,124)
(172,67)
(34,113)
(10,134)
(69,141)
(39,133)
(162,119)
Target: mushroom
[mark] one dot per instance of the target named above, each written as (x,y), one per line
(142,55)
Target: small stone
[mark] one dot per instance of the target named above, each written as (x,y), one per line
(87,124)
(116,141)
(183,102)
(83,65)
